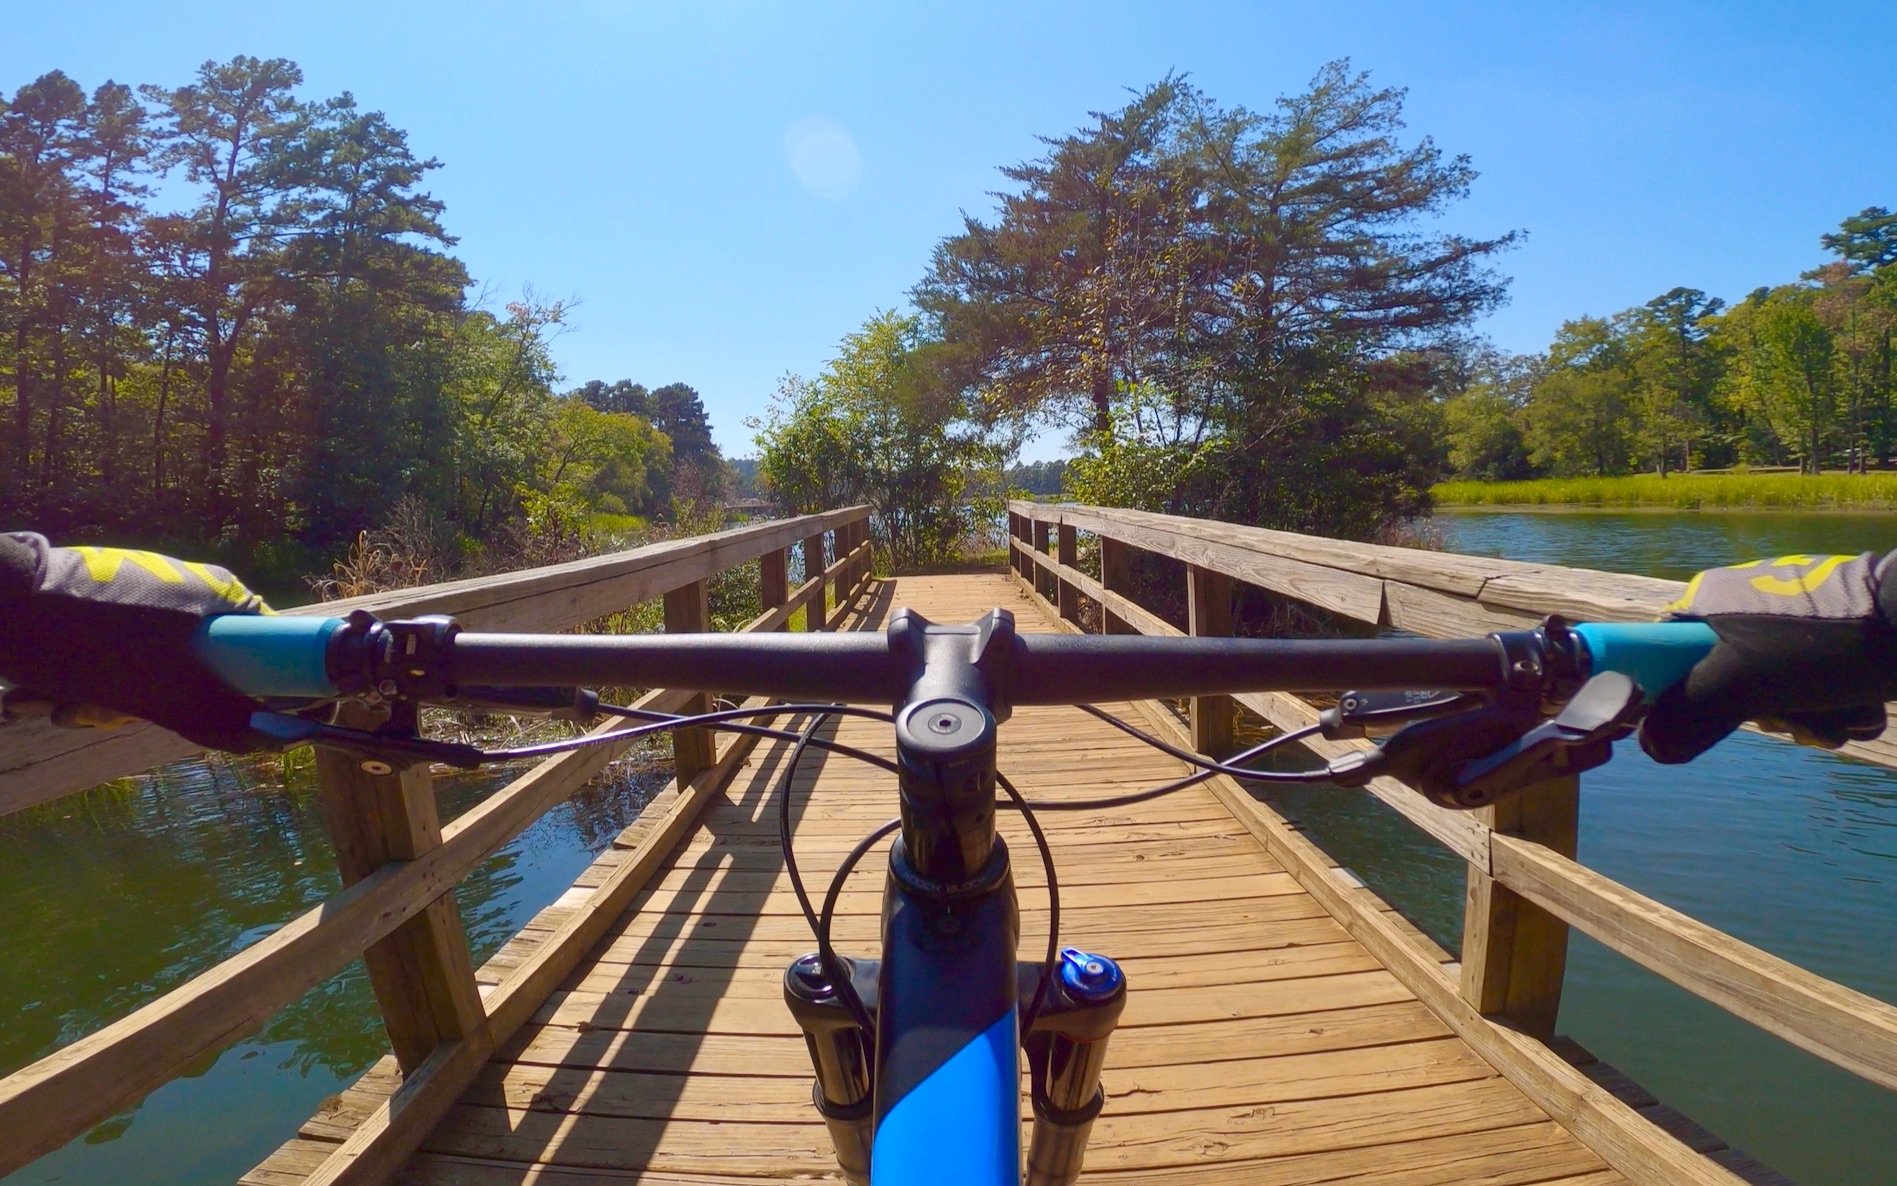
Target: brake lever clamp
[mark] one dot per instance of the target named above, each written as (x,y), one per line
(1361,714)
(403,660)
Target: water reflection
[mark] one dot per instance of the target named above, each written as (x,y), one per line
(121,894)
(1663,543)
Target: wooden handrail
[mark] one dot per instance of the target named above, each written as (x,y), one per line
(39,761)
(1448,595)
(1642,1151)
(1435,594)
(44,1105)
(1839,1024)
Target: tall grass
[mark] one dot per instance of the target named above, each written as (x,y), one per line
(1684,491)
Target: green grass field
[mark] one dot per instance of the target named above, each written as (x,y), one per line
(1685,491)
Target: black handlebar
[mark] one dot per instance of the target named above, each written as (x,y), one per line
(1039,669)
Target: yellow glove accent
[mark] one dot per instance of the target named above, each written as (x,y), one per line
(104,564)
(1799,585)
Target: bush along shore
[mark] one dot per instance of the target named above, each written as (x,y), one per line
(1787,491)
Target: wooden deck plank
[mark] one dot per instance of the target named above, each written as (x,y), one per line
(1261,1043)
(1525,1155)
(1190,1137)
(1193,1044)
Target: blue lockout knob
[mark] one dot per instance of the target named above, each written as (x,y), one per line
(1088,977)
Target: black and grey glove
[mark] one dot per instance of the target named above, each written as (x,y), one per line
(1806,646)
(95,635)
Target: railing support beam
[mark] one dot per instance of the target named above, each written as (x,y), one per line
(817,612)
(1043,583)
(1116,576)
(1070,556)
(688,611)
(1514,953)
(774,579)
(422,973)
(845,541)
(1209,613)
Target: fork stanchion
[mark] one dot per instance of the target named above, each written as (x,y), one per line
(840,1055)
(1066,1052)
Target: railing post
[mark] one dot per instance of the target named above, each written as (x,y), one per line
(859,568)
(1116,576)
(1036,573)
(773,579)
(687,611)
(1514,953)
(422,973)
(1209,615)
(1070,556)
(816,613)
(1017,530)
(844,541)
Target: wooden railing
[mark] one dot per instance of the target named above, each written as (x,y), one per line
(1524,887)
(400,865)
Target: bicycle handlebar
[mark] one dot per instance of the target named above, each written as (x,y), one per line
(291,657)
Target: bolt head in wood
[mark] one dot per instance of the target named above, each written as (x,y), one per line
(376,766)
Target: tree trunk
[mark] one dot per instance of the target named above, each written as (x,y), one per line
(158,423)
(22,389)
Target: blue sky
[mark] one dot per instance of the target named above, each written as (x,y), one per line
(728,188)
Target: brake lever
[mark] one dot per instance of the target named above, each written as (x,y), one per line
(1579,738)
(1471,759)
(286,732)
(580,705)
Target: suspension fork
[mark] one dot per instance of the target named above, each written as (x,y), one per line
(941,1097)
(936,1095)
(1067,1049)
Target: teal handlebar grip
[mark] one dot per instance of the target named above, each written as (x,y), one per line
(1655,655)
(269,655)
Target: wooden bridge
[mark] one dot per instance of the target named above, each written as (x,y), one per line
(1284,1025)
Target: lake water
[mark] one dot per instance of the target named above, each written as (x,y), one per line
(113,897)
(1788,848)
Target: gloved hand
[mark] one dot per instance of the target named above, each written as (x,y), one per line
(95,635)
(1806,646)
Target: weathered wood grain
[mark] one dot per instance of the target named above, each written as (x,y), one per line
(1514,953)
(422,973)
(48,1102)
(1621,1136)
(1839,1024)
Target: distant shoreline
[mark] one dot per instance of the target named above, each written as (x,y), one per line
(1761,492)
(1647,508)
